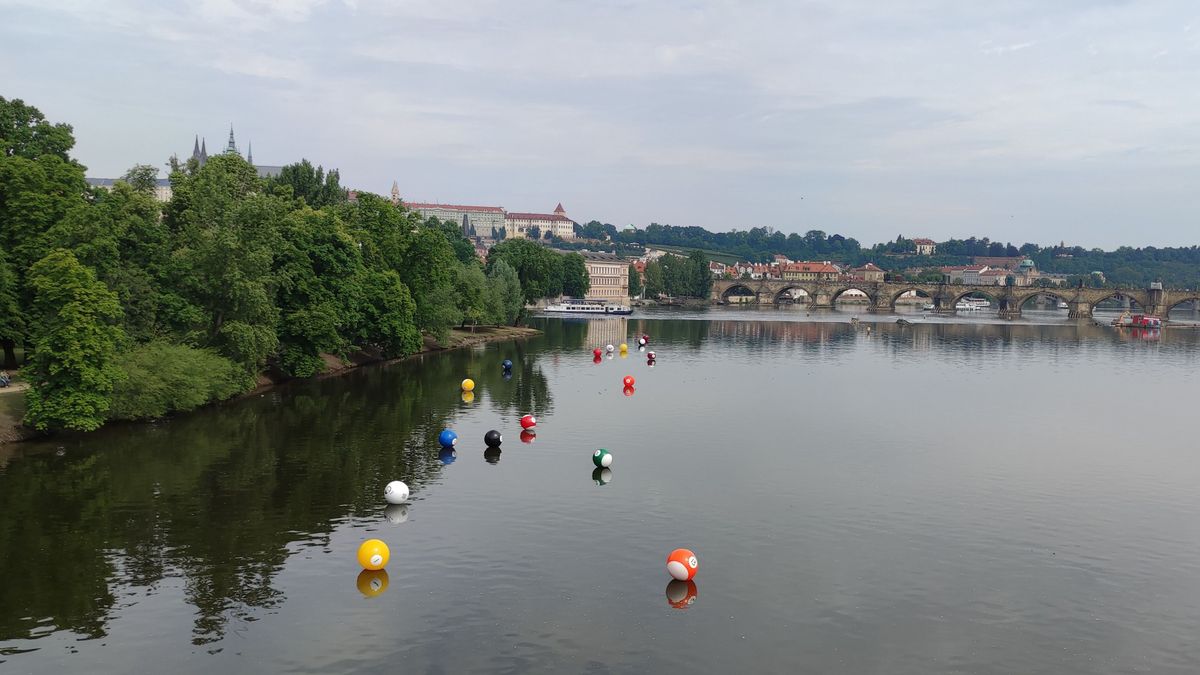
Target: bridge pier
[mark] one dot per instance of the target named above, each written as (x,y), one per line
(881,306)
(1079,309)
(1009,307)
(822,300)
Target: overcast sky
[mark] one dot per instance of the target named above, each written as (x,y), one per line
(1023,121)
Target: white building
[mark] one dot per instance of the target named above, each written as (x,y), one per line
(557,223)
(608,276)
(483,221)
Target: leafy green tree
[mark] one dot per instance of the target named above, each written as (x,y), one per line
(75,339)
(464,250)
(387,314)
(508,301)
(142,177)
(655,283)
(635,283)
(122,237)
(700,277)
(539,268)
(317,271)
(24,132)
(575,279)
(12,325)
(471,289)
(39,184)
(226,232)
(428,268)
(310,184)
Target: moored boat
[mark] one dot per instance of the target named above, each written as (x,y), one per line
(587,308)
(1128,320)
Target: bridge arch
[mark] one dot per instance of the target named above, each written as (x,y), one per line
(993,293)
(787,290)
(1191,297)
(1135,301)
(865,289)
(1057,294)
(893,295)
(746,289)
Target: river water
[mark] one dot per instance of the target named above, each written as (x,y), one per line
(945,497)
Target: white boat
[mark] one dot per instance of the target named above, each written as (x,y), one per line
(1063,305)
(929,307)
(587,308)
(972,304)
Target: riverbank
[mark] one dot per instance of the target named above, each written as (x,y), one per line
(12,408)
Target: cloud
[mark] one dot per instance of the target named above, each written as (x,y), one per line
(679,95)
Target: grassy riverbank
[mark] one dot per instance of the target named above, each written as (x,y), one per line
(12,402)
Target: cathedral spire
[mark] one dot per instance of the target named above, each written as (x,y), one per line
(250,153)
(196,148)
(203,151)
(395,192)
(232,147)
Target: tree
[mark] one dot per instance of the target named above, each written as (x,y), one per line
(427,267)
(508,301)
(39,184)
(539,269)
(12,325)
(576,282)
(142,177)
(472,290)
(317,272)
(24,132)
(121,236)
(226,234)
(635,283)
(75,338)
(310,183)
(655,283)
(700,281)
(535,233)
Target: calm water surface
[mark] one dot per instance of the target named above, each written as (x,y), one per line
(940,498)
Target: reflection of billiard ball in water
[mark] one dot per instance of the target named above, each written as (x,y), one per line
(491,455)
(447,456)
(602,476)
(681,594)
(528,436)
(372,583)
(396,513)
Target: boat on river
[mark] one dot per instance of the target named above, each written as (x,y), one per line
(573,307)
(1128,320)
(972,304)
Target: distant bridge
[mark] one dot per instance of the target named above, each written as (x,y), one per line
(884,294)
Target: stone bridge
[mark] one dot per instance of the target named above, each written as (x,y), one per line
(883,295)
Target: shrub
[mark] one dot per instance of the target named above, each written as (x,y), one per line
(159,378)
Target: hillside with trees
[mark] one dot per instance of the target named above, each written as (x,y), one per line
(125,308)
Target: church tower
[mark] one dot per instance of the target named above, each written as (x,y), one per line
(203,151)
(560,211)
(231,148)
(250,153)
(395,192)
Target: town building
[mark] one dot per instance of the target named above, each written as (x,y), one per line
(162,186)
(925,246)
(608,276)
(525,225)
(810,271)
(475,221)
(870,273)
